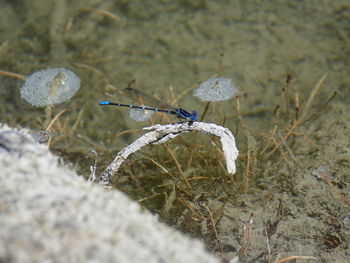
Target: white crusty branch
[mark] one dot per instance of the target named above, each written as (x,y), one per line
(162,133)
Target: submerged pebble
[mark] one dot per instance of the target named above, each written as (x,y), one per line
(216,89)
(41,136)
(321,171)
(50,86)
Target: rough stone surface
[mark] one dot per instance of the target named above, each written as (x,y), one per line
(50,214)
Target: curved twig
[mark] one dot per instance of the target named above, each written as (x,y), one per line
(163,133)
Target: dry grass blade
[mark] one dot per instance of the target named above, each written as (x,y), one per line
(77,121)
(250,152)
(246,236)
(158,164)
(313,94)
(49,126)
(326,179)
(12,75)
(90,68)
(174,102)
(319,109)
(127,132)
(292,123)
(294,257)
(211,220)
(3,47)
(205,111)
(178,166)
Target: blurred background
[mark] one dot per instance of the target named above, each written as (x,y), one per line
(168,48)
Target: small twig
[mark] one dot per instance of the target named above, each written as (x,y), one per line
(163,133)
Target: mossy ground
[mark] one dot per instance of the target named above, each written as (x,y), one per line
(179,44)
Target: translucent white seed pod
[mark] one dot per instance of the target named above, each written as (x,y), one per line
(216,89)
(140,115)
(50,86)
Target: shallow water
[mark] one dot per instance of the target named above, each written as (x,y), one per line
(178,44)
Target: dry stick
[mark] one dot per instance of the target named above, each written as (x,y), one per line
(326,179)
(249,150)
(163,133)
